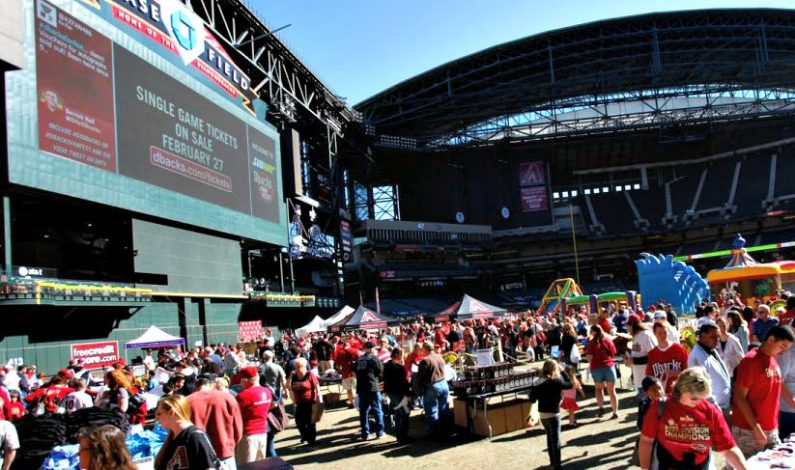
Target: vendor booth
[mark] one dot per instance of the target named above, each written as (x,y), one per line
(316,325)
(344,312)
(469,308)
(363,319)
(154,337)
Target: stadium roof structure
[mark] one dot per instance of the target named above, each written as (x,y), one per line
(282,79)
(617,75)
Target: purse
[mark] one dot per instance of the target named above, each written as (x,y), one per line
(317,411)
(317,405)
(277,418)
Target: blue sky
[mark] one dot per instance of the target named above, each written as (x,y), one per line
(361,47)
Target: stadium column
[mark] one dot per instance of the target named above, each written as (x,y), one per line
(191,326)
(7,235)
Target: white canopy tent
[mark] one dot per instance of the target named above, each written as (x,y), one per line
(154,337)
(317,324)
(344,312)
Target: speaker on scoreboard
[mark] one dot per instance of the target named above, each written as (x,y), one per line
(291,163)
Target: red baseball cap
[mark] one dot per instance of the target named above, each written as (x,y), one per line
(634,318)
(248,372)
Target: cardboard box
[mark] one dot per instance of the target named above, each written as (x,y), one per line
(460,415)
(525,411)
(515,415)
(496,419)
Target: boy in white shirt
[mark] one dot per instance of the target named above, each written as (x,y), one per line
(78,399)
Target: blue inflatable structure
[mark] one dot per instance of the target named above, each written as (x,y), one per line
(660,277)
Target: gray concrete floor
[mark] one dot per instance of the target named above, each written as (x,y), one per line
(596,443)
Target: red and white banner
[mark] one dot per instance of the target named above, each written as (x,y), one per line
(250,331)
(95,355)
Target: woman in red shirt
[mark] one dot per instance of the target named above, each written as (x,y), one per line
(600,352)
(305,391)
(687,427)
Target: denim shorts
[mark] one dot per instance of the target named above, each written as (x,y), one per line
(604,374)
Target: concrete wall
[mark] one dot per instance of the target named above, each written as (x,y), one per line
(11,32)
(43,336)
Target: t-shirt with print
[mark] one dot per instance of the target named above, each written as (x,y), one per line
(602,353)
(77,401)
(255,403)
(761,375)
(666,365)
(368,370)
(188,450)
(682,430)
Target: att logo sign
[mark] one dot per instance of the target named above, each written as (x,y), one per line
(185,28)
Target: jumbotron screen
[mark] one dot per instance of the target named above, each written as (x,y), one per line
(110,112)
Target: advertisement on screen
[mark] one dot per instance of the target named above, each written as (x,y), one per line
(116,124)
(174,30)
(74,121)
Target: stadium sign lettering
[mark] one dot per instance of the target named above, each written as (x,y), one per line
(95,355)
(176,28)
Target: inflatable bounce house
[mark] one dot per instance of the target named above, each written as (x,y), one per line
(660,277)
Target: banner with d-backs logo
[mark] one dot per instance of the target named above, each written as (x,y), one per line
(180,35)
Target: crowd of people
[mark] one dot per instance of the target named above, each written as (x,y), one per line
(222,407)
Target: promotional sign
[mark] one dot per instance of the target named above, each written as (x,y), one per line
(534,199)
(250,331)
(75,121)
(95,355)
(115,124)
(181,141)
(531,173)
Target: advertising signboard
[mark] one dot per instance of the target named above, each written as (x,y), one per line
(95,355)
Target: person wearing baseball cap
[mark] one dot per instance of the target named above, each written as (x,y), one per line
(255,402)
(704,355)
(368,372)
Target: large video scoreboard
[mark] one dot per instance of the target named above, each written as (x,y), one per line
(134,104)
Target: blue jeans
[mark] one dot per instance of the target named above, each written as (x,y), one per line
(552,428)
(786,424)
(436,404)
(371,401)
(270,449)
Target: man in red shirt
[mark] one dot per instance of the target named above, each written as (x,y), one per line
(666,360)
(218,414)
(255,403)
(345,362)
(758,385)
